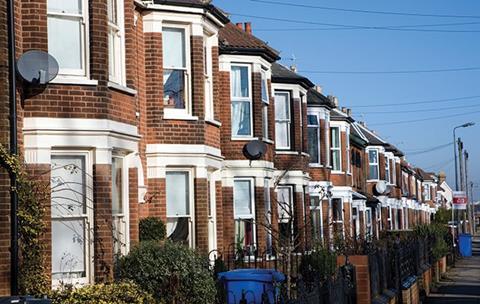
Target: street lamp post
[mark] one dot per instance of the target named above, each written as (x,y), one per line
(465,125)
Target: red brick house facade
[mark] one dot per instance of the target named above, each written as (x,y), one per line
(149,116)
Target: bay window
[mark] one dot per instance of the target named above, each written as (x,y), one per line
(242,122)
(316,217)
(208,75)
(373,164)
(176,68)
(119,206)
(268,215)
(387,170)
(265,102)
(67,22)
(337,215)
(313,139)
(282,121)
(347,154)
(336,149)
(368,223)
(72,218)
(116,47)
(179,206)
(426,191)
(285,212)
(244,213)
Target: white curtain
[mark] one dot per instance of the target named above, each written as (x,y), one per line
(67,6)
(177,194)
(242,198)
(65,41)
(68,248)
(174,48)
(68,186)
(241,118)
(239,80)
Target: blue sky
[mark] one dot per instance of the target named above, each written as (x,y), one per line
(386,50)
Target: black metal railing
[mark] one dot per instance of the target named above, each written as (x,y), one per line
(317,288)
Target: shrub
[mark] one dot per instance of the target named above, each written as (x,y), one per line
(152,229)
(319,265)
(117,293)
(171,272)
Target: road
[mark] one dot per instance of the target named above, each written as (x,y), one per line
(462,283)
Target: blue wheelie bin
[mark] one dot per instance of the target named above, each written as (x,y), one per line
(465,244)
(251,285)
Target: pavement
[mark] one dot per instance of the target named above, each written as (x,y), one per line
(461,284)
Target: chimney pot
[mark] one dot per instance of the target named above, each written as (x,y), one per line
(293,68)
(349,112)
(318,88)
(344,110)
(239,25)
(248,28)
(333,99)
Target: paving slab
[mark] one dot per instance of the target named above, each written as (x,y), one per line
(461,284)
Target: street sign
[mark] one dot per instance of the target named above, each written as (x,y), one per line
(459,200)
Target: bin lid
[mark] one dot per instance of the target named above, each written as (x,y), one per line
(262,275)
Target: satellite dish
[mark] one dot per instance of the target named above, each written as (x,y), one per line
(255,149)
(37,67)
(381,187)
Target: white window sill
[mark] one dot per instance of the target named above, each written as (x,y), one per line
(280,152)
(337,172)
(74,80)
(244,138)
(122,88)
(174,115)
(372,180)
(313,165)
(213,122)
(268,141)
(305,154)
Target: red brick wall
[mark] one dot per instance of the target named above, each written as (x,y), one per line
(103,237)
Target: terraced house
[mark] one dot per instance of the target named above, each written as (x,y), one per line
(150,115)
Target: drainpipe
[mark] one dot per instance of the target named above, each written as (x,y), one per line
(13,149)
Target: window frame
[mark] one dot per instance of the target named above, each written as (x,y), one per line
(264,82)
(125,202)
(369,226)
(388,176)
(317,126)
(84,21)
(347,147)
(336,149)
(287,121)
(88,215)
(191,197)
(187,111)
(318,209)
(290,220)
(208,76)
(248,99)
(376,164)
(252,216)
(425,188)
(119,76)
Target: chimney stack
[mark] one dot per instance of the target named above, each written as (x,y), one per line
(239,26)
(248,28)
(333,99)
